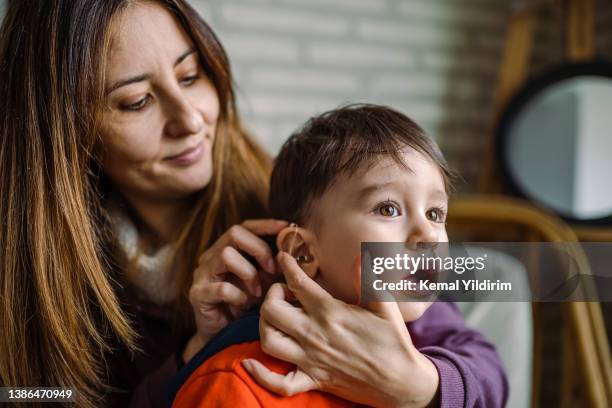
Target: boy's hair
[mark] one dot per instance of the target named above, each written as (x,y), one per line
(337,142)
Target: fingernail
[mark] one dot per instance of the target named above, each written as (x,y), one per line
(258,291)
(247,365)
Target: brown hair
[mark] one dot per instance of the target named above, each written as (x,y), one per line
(341,141)
(60,310)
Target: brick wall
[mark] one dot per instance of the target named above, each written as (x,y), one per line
(434,60)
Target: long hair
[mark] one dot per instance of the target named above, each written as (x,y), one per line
(60,310)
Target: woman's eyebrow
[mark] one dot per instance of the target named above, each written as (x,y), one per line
(124,82)
(140,78)
(185,55)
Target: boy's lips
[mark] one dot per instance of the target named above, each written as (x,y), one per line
(422,274)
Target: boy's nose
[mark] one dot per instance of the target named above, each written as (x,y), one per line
(421,232)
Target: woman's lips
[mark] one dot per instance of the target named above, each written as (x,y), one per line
(188,156)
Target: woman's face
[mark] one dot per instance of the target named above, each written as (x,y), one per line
(162,110)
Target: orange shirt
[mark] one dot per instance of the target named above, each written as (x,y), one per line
(221,381)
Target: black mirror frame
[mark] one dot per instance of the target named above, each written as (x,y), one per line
(529,91)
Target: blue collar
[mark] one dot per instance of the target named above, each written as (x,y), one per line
(242,330)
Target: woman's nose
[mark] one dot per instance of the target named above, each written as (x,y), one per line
(183,118)
(422,232)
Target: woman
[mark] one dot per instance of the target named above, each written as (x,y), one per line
(129,193)
(109,111)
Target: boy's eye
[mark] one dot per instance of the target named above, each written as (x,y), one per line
(436,215)
(136,106)
(388,210)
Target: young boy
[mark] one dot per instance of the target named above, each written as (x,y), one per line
(363,173)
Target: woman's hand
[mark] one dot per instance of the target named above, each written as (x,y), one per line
(361,354)
(225,282)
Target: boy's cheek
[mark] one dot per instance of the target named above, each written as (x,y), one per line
(356,277)
(411,311)
(443,234)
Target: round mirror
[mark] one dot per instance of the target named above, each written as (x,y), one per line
(555,141)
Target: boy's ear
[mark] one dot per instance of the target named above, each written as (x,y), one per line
(300,242)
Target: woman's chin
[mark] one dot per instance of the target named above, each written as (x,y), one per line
(182,187)
(191,180)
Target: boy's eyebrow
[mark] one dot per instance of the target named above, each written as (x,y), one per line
(140,78)
(373,188)
(440,194)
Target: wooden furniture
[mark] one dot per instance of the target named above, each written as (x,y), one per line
(584,358)
(586,366)
(514,69)
(579,40)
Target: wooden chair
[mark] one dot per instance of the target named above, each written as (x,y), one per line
(586,366)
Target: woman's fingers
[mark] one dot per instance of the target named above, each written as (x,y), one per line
(245,240)
(279,345)
(226,281)
(364,342)
(280,291)
(246,237)
(287,385)
(222,292)
(281,314)
(235,263)
(218,259)
(388,310)
(307,291)
(265,227)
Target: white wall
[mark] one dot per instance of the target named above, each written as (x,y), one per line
(435,60)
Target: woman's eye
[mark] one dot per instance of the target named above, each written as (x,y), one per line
(189,80)
(436,215)
(136,106)
(388,210)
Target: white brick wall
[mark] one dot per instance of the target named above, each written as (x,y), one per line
(436,60)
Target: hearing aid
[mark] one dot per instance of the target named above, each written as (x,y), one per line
(301,259)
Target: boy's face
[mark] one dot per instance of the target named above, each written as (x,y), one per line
(386,203)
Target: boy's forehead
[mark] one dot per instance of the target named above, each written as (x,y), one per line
(386,170)
(385,174)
